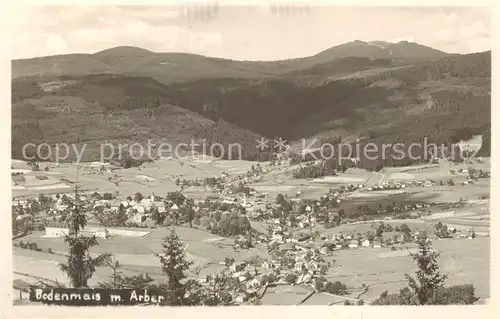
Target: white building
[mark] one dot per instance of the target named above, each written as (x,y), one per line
(253,283)
(139,218)
(278,237)
(365,243)
(61,207)
(354,244)
(56,232)
(140,209)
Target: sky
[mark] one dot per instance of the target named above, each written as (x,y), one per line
(242,33)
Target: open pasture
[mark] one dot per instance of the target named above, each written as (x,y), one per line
(351,203)
(454,193)
(443,171)
(201,246)
(463,261)
(157,177)
(363,227)
(338,180)
(283,295)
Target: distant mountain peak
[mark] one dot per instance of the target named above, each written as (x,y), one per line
(377,49)
(380,44)
(125,50)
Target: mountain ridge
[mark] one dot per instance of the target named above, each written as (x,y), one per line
(138,49)
(445,98)
(179,67)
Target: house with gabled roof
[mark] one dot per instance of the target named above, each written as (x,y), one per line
(365,243)
(139,208)
(146,202)
(241,297)
(253,283)
(353,243)
(139,217)
(377,244)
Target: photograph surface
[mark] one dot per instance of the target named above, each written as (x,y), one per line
(216,155)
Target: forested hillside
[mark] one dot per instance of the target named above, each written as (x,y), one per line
(375,99)
(171,68)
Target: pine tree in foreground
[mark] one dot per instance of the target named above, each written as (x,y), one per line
(174,263)
(428,278)
(428,286)
(80,266)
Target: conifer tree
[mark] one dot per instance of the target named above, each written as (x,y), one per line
(174,263)
(80,265)
(428,278)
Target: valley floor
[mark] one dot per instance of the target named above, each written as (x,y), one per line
(464,261)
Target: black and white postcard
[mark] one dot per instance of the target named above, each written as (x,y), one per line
(212,154)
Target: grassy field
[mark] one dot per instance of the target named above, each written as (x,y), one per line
(157,177)
(322,299)
(160,176)
(379,269)
(437,172)
(463,261)
(47,266)
(471,215)
(283,182)
(136,246)
(136,254)
(285,295)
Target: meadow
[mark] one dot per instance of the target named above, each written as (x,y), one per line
(463,261)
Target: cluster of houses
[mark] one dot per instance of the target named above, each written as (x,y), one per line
(301,260)
(305,264)
(455,233)
(139,211)
(97,170)
(472,178)
(400,185)
(465,234)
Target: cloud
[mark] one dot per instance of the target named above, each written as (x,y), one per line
(138,33)
(201,41)
(55,43)
(461,30)
(241,32)
(88,29)
(475,29)
(445,35)
(464,36)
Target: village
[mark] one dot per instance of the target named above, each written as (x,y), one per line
(299,235)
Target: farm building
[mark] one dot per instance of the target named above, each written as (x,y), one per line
(241,298)
(56,231)
(138,218)
(354,244)
(61,207)
(98,232)
(365,243)
(253,283)
(61,232)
